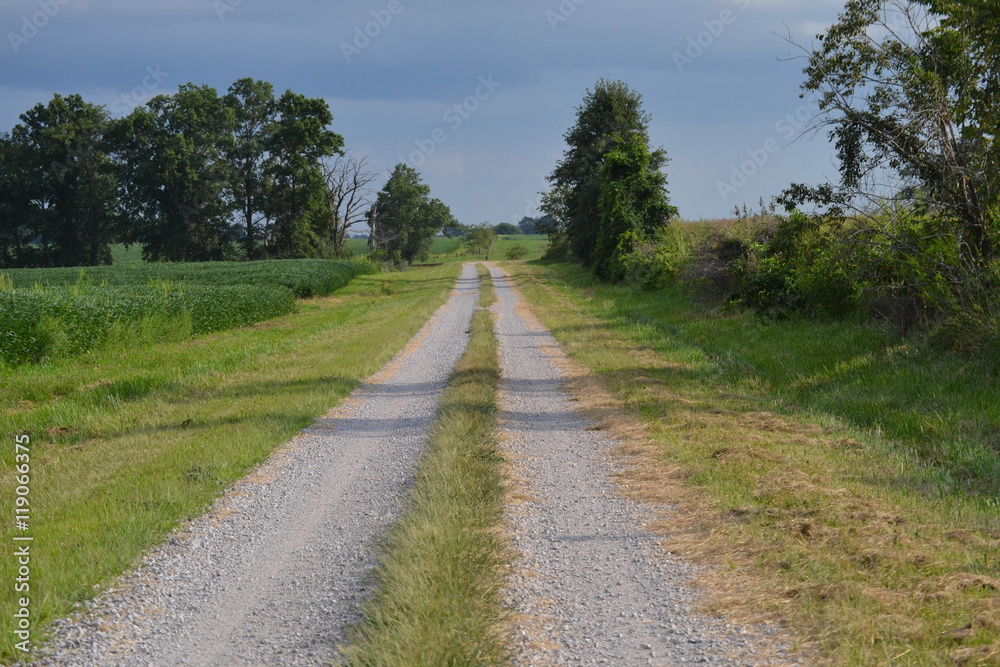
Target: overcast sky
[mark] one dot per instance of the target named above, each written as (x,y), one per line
(714,75)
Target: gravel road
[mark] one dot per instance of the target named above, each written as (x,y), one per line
(591,585)
(274,572)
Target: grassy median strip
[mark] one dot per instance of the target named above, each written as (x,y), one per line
(127,442)
(843,482)
(438,588)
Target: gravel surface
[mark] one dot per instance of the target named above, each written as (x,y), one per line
(591,585)
(273,574)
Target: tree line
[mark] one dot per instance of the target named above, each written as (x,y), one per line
(197,176)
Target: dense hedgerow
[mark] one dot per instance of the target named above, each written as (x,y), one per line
(305,277)
(64,321)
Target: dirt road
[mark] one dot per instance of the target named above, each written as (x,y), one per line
(275,572)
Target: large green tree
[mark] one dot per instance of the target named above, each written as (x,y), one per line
(301,139)
(175,176)
(20,215)
(405,219)
(59,198)
(254,109)
(611,113)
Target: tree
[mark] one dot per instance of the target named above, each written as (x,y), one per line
(507,229)
(910,92)
(298,202)
(633,207)
(175,175)
(20,216)
(406,218)
(610,113)
(63,193)
(254,111)
(479,238)
(527,225)
(348,195)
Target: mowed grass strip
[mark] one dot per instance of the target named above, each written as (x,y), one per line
(126,443)
(438,598)
(842,482)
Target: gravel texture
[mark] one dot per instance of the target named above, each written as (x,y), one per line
(590,585)
(274,573)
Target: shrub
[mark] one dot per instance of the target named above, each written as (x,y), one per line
(516,251)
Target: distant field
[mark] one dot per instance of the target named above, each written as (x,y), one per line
(534,243)
(443,248)
(122,254)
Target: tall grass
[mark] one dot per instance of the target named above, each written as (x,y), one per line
(40,323)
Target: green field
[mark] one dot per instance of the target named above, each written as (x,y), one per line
(51,313)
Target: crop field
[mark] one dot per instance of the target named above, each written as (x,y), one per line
(305,277)
(51,313)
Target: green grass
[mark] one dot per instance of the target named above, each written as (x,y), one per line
(440,248)
(127,442)
(842,480)
(534,244)
(438,587)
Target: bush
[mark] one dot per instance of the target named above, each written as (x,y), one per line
(516,251)
(654,264)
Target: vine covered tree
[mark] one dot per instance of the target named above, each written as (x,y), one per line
(633,206)
(610,114)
